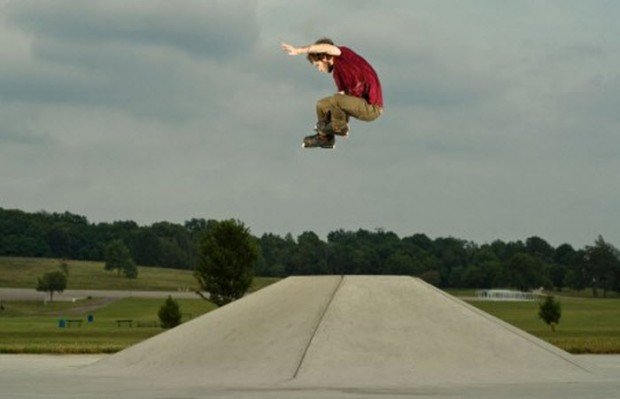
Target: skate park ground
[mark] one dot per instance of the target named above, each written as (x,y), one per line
(52,376)
(320,337)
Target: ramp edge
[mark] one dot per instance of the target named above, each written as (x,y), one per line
(316,327)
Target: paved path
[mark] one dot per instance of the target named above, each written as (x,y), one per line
(25,294)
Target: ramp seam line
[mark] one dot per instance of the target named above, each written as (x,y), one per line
(507,326)
(316,328)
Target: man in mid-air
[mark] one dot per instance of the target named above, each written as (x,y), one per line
(359,90)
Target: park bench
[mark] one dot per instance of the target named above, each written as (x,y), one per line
(77,322)
(127,322)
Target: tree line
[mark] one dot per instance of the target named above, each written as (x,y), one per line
(443,261)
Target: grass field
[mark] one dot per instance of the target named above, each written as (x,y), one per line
(24,272)
(471,293)
(587,325)
(31,327)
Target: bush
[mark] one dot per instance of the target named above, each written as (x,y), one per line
(169,313)
(550,311)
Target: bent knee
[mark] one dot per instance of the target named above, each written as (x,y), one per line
(323,102)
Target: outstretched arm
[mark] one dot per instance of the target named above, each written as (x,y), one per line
(313,48)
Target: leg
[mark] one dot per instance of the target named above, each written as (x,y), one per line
(323,110)
(338,108)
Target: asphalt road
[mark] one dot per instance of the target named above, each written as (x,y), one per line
(27,294)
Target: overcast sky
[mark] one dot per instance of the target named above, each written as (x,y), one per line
(501,118)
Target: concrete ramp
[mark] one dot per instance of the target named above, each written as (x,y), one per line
(259,339)
(399,331)
(352,331)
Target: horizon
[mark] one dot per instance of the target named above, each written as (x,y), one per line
(323,237)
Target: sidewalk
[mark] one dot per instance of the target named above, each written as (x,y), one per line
(27,294)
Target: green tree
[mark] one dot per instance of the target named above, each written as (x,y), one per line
(275,253)
(52,282)
(146,248)
(118,257)
(228,253)
(130,270)
(550,311)
(310,256)
(169,313)
(540,248)
(525,272)
(431,277)
(64,268)
(400,263)
(557,273)
(564,255)
(601,265)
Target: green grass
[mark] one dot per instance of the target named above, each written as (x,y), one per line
(31,327)
(24,272)
(471,292)
(587,325)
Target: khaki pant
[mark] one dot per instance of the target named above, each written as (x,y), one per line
(338,108)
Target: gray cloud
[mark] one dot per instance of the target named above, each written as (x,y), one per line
(500,121)
(133,57)
(204,29)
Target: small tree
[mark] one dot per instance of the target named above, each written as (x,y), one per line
(130,270)
(550,311)
(118,257)
(227,256)
(52,282)
(64,268)
(169,313)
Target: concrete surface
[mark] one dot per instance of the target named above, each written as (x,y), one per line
(398,331)
(58,377)
(326,337)
(259,339)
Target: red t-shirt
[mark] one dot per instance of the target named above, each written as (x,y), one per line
(354,76)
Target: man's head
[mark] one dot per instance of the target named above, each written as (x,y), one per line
(322,61)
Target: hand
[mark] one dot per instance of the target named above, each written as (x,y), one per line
(291,50)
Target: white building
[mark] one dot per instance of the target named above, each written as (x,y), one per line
(505,295)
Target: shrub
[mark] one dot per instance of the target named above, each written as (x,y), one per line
(169,313)
(550,311)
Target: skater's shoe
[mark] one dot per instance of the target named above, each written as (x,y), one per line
(319,141)
(344,132)
(320,126)
(327,129)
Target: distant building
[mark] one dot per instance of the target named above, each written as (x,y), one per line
(505,295)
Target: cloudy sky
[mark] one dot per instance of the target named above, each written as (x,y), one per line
(501,121)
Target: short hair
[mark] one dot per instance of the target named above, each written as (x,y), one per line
(312,57)
(324,40)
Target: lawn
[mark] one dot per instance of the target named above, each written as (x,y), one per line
(24,272)
(587,325)
(32,327)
